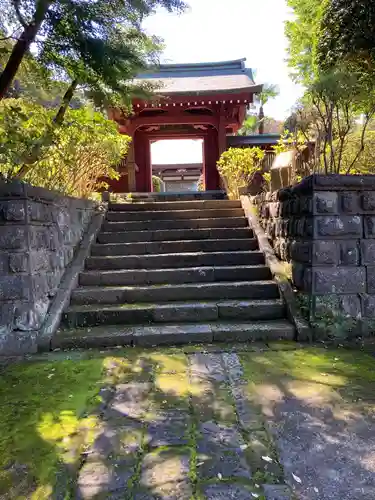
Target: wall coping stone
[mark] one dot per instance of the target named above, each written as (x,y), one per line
(69,282)
(21,190)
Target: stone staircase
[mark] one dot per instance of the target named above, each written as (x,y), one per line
(174,272)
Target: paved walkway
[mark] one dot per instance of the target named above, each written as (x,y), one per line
(179,432)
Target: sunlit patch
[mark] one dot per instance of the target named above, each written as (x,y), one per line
(177,385)
(312,392)
(169,363)
(68,433)
(42,493)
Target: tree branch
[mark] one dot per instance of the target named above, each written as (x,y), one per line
(21,19)
(362,147)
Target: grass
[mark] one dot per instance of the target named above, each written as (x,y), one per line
(334,374)
(43,418)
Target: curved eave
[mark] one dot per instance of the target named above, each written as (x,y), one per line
(254,89)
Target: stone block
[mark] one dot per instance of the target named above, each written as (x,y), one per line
(13,210)
(350,305)
(39,212)
(371,279)
(349,253)
(368,201)
(6,317)
(19,262)
(349,202)
(44,237)
(227,491)
(325,202)
(53,280)
(306,204)
(39,260)
(368,305)
(169,428)
(220,452)
(30,316)
(277,492)
(325,253)
(298,272)
(337,280)
(15,288)
(369,226)
(367,251)
(166,474)
(39,283)
(13,237)
(301,251)
(17,343)
(344,226)
(4,263)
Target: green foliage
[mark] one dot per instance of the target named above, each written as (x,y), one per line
(302,34)
(347,32)
(85,147)
(249,126)
(237,167)
(42,420)
(200,184)
(157,184)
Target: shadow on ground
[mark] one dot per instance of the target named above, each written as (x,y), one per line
(320,405)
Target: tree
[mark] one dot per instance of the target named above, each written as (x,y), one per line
(347,33)
(97,46)
(249,126)
(83,27)
(335,106)
(269,92)
(302,34)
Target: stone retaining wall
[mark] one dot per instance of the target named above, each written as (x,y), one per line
(39,231)
(325,226)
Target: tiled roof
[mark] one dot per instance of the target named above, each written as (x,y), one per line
(202,78)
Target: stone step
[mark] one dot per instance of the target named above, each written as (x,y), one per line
(173,276)
(179,247)
(152,225)
(170,196)
(175,234)
(92,315)
(174,205)
(175,260)
(173,334)
(163,293)
(168,215)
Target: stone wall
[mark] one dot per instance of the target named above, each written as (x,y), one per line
(39,231)
(325,227)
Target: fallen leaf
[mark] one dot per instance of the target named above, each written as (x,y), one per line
(296,478)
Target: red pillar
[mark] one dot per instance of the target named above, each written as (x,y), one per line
(211,156)
(142,155)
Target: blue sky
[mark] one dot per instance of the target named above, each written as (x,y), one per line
(214,30)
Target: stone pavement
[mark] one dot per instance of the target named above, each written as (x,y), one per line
(180,430)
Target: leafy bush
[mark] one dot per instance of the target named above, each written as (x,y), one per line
(200,183)
(157,184)
(85,148)
(237,167)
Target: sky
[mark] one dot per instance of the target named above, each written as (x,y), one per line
(220,30)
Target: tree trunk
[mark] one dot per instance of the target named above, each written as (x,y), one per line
(22,46)
(68,96)
(261,120)
(56,123)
